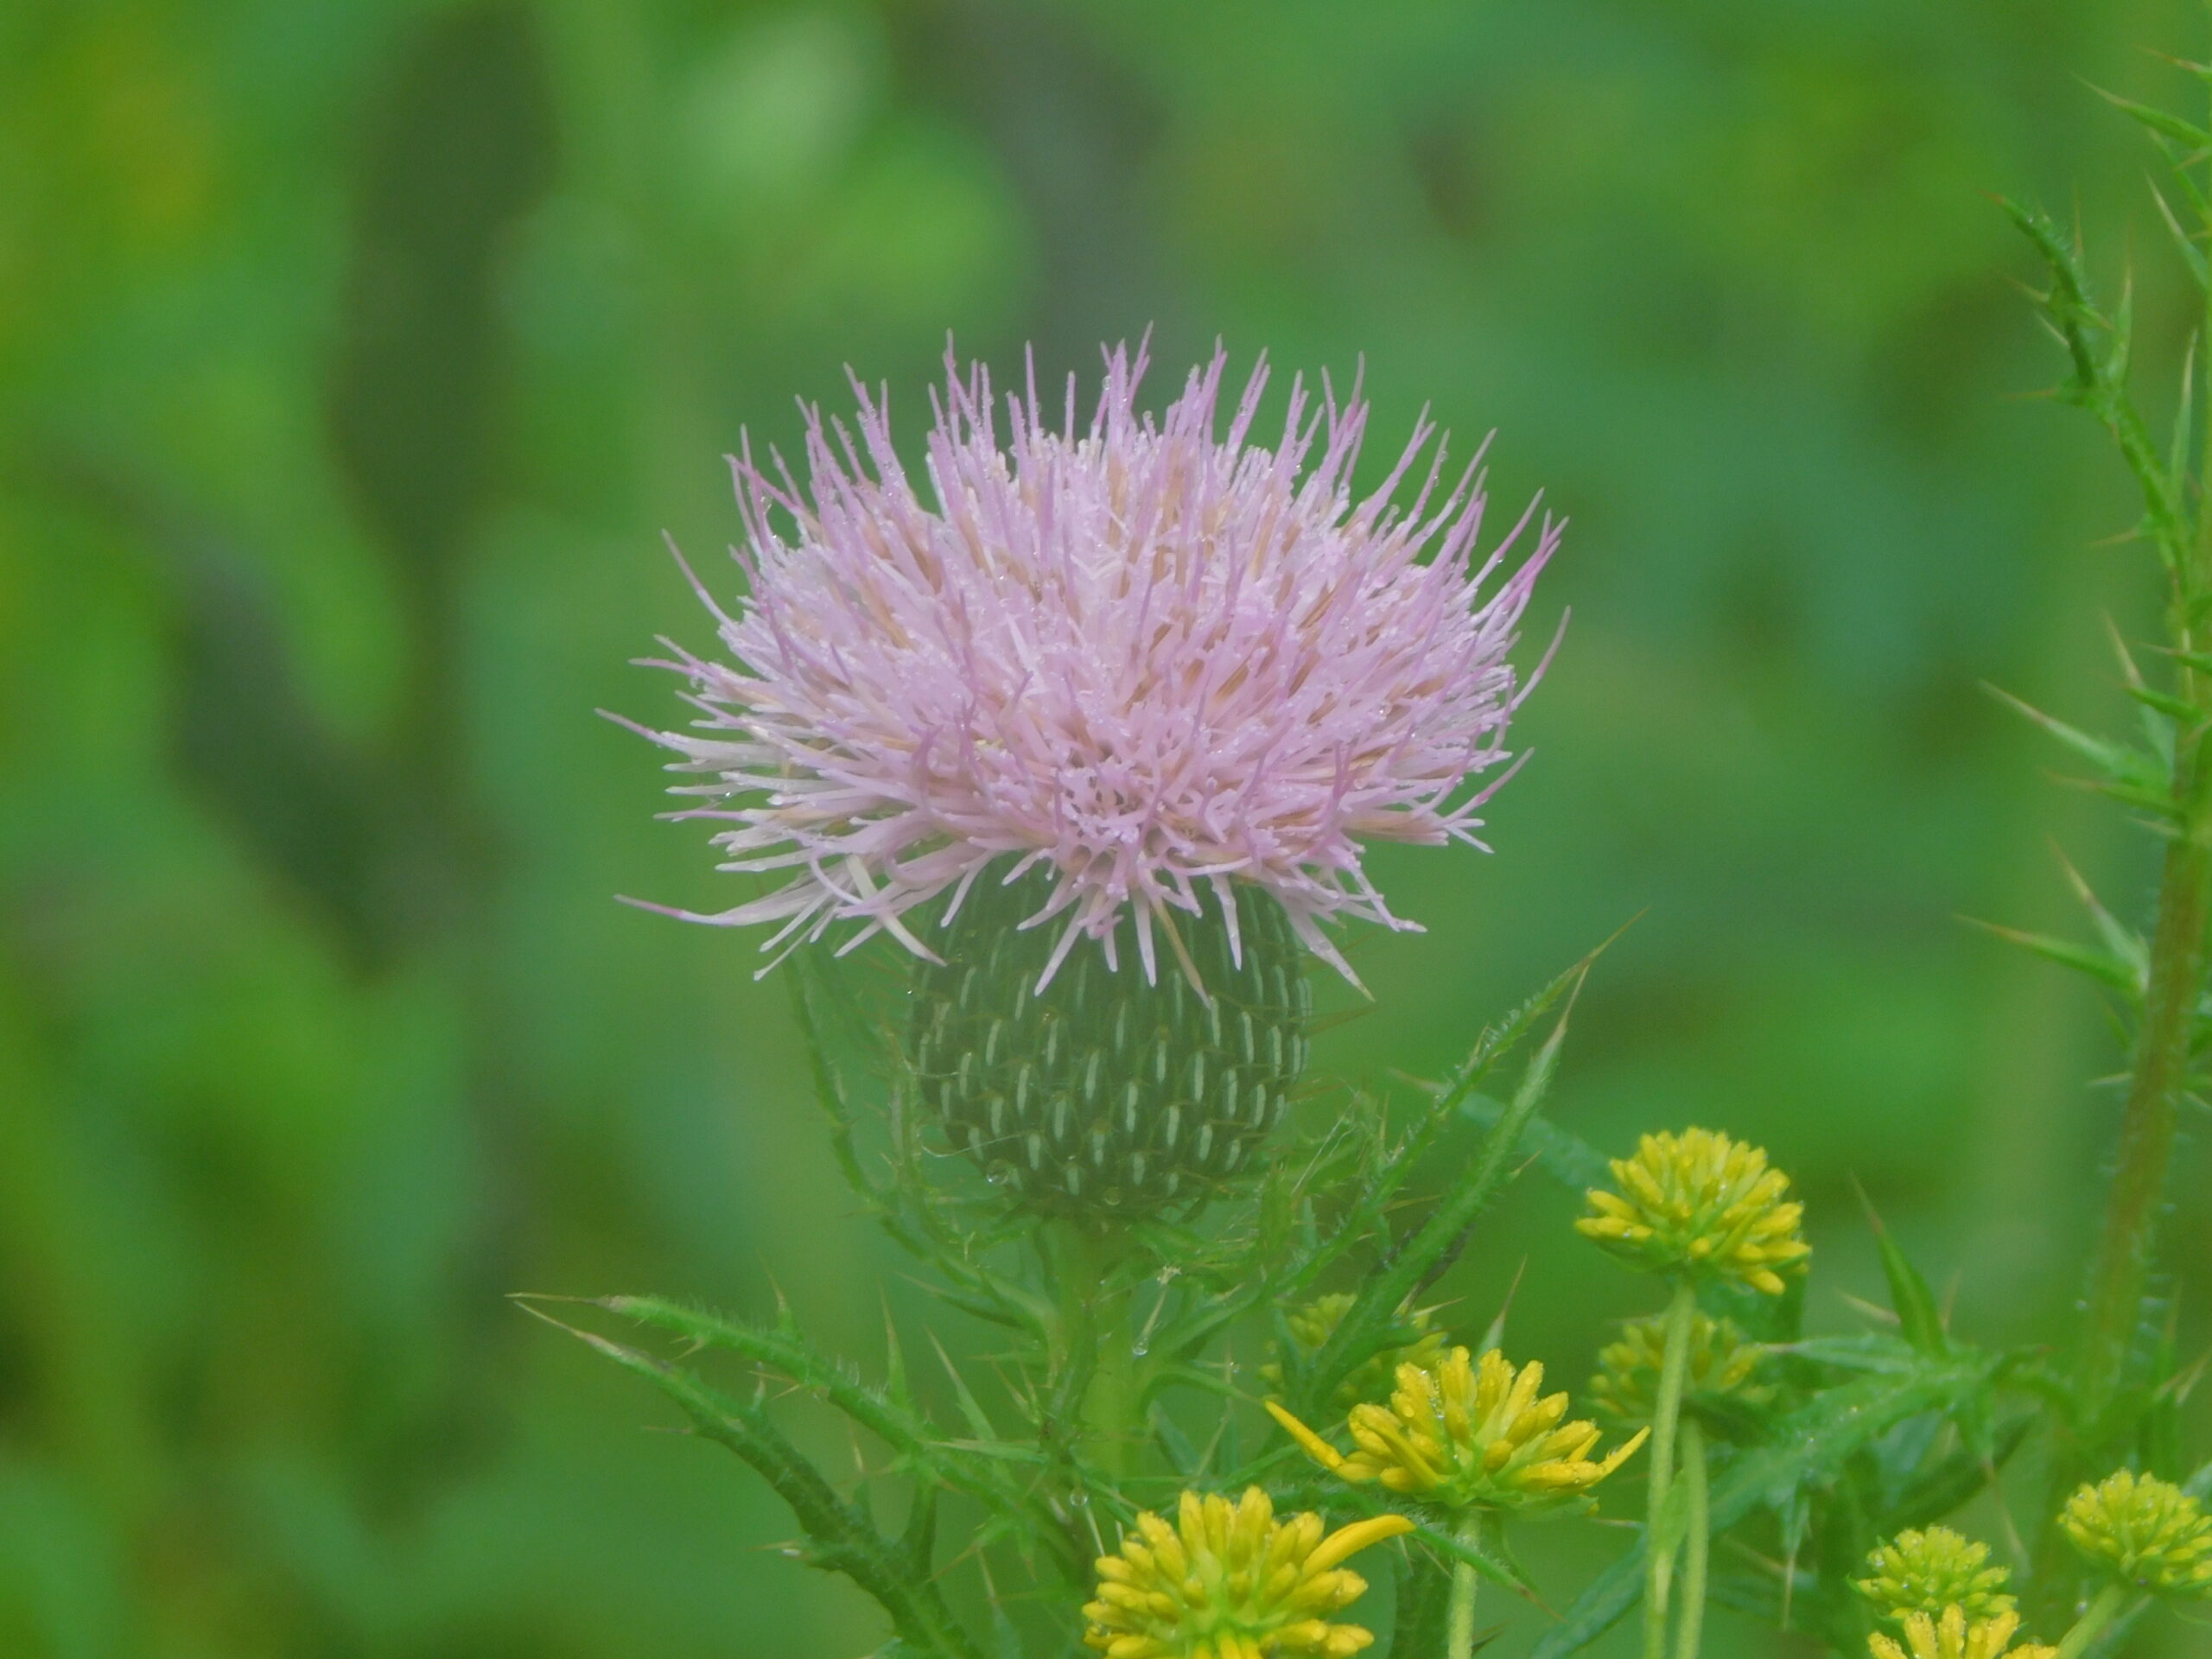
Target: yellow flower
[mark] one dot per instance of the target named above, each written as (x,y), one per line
(1468,1435)
(1311,1325)
(1721,1362)
(1230,1582)
(2147,1530)
(1928,1572)
(1953,1637)
(1700,1203)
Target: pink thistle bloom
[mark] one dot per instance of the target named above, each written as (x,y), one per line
(1144,655)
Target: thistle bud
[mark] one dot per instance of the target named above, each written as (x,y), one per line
(1106,1097)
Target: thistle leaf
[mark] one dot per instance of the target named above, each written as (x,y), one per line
(2121,976)
(1560,1154)
(839,1537)
(1365,1328)
(2158,121)
(1918,1317)
(2193,258)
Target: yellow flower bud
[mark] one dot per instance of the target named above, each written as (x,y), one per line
(2146,1531)
(1230,1582)
(1700,1203)
(1469,1435)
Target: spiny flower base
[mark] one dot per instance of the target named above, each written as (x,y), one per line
(1106,1098)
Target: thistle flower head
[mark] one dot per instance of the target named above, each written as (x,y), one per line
(1230,1582)
(1144,655)
(1467,1434)
(2148,1531)
(1312,1324)
(1924,1573)
(1951,1634)
(1722,1363)
(1700,1203)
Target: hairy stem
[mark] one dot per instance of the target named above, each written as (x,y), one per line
(2127,1245)
(1460,1617)
(2099,1613)
(1660,1532)
(1696,1542)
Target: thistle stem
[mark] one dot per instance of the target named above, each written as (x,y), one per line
(2159,1077)
(1660,1534)
(1460,1614)
(2094,1618)
(1094,1317)
(2127,1242)
(1696,1543)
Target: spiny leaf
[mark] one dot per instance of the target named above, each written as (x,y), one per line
(1497,1570)
(1364,1328)
(2193,258)
(2180,711)
(2158,121)
(2109,971)
(1918,1317)
(839,1538)
(1560,1154)
(2118,762)
(2124,942)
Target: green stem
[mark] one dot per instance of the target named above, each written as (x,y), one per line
(1098,1343)
(1696,1543)
(2099,1613)
(2126,1244)
(2159,1077)
(1459,1616)
(1659,1534)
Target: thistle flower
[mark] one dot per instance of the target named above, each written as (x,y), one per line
(1141,656)
(1722,1365)
(1924,1573)
(1137,669)
(1468,1435)
(2148,1531)
(1952,1636)
(1702,1203)
(1230,1582)
(1311,1325)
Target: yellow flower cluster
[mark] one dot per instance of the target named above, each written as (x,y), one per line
(1953,1636)
(1721,1363)
(2148,1531)
(1931,1571)
(1700,1203)
(1311,1325)
(1230,1582)
(1469,1435)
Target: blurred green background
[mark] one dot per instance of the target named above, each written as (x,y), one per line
(354,357)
